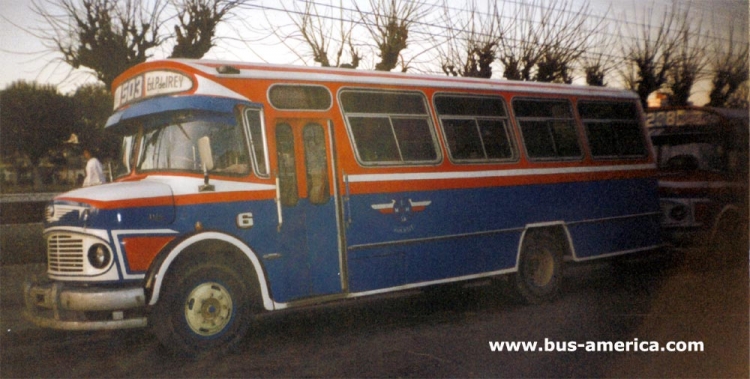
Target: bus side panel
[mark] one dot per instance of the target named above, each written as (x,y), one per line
(472,231)
(607,232)
(614,236)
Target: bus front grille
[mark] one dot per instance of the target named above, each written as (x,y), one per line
(64,254)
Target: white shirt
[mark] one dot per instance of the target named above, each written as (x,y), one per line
(94,173)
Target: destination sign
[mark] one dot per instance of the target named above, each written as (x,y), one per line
(680,117)
(150,84)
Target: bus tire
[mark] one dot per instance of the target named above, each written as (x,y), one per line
(206,307)
(539,275)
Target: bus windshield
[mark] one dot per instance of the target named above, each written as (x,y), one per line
(691,154)
(172,145)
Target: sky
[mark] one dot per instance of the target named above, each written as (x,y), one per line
(24,57)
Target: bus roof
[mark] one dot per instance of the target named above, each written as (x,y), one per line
(244,70)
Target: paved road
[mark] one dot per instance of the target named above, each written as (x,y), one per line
(442,334)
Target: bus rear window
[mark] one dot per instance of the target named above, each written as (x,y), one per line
(548,128)
(389,128)
(612,129)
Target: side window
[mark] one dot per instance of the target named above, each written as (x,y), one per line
(548,128)
(389,128)
(476,128)
(257,141)
(612,129)
(316,163)
(287,166)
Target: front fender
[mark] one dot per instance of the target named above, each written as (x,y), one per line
(159,268)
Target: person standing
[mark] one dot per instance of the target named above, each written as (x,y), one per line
(94,172)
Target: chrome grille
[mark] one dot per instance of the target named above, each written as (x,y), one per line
(64,253)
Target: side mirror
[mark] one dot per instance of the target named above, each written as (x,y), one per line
(204,151)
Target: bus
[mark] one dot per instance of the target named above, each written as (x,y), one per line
(702,157)
(250,188)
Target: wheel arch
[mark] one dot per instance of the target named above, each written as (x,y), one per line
(220,243)
(729,209)
(558,230)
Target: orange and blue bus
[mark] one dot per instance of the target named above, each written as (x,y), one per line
(250,188)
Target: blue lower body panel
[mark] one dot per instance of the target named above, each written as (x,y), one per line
(404,238)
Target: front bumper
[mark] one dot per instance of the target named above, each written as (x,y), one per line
(685,237)
(57,305)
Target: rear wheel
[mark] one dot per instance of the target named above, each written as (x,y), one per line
(204,307)
(539,275)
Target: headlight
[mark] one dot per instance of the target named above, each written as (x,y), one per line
(99,256)
(678,212)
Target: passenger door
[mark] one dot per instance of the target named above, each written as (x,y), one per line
(309,209)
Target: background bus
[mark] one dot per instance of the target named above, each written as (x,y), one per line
(703,161)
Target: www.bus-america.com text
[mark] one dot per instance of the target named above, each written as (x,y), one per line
(634,345)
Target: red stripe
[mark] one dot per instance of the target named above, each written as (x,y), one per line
(140,251)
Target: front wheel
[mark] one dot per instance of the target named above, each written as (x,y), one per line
(539,275)
(204,307)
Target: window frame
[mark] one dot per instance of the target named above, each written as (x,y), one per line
(427,116)
(507,127)
(249,140)
(610,122)
(572,121)
(146,129)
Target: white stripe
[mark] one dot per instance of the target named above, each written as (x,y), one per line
(493,173)
(209,87)
(183,185)
(265,294)
(318,74)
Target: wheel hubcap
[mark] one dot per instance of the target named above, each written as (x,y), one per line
(208,309)
(540,269)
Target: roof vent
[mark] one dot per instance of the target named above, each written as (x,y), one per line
(226,69)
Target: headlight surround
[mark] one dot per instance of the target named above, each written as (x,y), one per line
(99,256)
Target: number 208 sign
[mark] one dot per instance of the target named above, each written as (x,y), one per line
(150,84)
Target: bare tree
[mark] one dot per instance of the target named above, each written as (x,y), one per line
(649,52)
(729,71)
(597,62)
(316,30)
(740,98)
(565,37)
(110,36)
(545,40)
(689,58)
(472,44)
(519,44)
(106,36)
(195,33)
(389,22)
